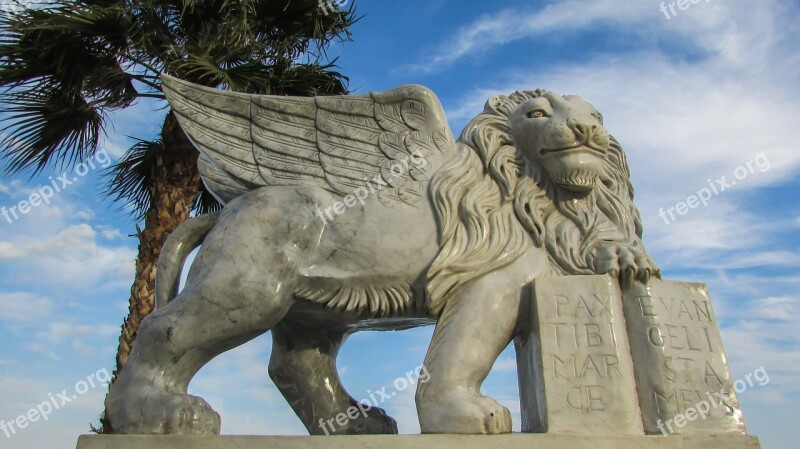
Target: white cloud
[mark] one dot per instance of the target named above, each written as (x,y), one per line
(23,307)
(58,332)
(64,424)
(55,246)
(109,233)
(15,389)
(508,364)
(9,251)
(720,243)
(743,34)
(13,188)
(113,148)
(784,308)
(46,350)
(72,256)
(85,215)
(752,344)
(513,24)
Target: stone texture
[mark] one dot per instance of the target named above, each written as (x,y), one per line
(515,441)
(575,368)
(679,359)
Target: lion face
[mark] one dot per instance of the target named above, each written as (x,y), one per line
(564,136)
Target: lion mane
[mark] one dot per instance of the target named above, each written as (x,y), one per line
(492,204)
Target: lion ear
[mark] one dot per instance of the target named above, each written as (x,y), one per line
(498,104)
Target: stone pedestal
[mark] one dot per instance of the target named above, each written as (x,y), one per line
(515,441)
(575,370)
(684,382)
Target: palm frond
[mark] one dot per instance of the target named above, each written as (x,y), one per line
(206,202)
(64,66)
(199,40)
(129,180)
(65,44)
(131,176)
(61,74)
(48,126)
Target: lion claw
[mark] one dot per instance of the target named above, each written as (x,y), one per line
(626,265)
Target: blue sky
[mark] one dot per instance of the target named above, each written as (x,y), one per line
(692,98)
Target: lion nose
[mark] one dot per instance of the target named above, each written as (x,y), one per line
(584,133)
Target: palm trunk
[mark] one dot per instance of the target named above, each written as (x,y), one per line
(174,189)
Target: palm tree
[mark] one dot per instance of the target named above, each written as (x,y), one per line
(65,64)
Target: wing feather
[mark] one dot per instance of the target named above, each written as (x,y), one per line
(218,123)
(219,184)
(335,143)
(284,136)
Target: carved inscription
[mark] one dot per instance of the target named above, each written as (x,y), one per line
(582,360)
(679,361)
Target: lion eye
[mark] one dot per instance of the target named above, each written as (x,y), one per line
(536,114)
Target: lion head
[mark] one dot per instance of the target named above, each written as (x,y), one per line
(534,168)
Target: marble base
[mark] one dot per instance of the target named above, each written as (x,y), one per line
(512,441)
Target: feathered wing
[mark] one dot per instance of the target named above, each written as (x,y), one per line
(335,143)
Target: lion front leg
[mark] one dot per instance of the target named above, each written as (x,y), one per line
(471,333)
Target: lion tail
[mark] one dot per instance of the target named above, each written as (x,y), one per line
(180,243)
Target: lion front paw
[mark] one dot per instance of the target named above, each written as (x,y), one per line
(625,264)
(464,413)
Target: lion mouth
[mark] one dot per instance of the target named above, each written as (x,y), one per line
(577,148)
(576,180)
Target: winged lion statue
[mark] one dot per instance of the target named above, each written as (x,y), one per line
(363,212)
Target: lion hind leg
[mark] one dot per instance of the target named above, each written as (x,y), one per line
(303,366)
(206,319)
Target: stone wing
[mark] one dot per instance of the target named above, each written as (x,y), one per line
(337,143)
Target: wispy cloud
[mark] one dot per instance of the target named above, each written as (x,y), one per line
(712,28)
(23,307)
(58,332)
(73,256)
(514,24)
